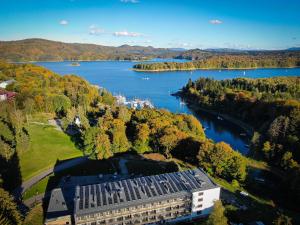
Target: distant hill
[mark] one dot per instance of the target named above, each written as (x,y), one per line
(46,50)
(294,49)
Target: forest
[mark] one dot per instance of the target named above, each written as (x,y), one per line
(105,128)
(270,105)
(225,62)
(45,50)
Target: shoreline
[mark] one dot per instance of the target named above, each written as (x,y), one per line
(244,126)
(193,69)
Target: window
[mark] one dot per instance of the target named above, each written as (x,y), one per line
(200,193)
(200,199)
(199,206)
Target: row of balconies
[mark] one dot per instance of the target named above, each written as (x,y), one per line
(173,205)
(140,219)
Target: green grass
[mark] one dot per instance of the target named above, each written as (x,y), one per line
(37,188)
(47,145)
(35,216)
(92,167)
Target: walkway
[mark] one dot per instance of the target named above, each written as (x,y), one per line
(62,166)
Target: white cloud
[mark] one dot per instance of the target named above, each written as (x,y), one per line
(129,1)
(63,22)
(216,21)
(95,30)
(127,34)
(178,44)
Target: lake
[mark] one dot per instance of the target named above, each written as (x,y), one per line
(118,78)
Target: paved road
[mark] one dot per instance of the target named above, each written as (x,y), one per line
(62,166)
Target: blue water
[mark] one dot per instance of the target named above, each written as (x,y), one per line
(117,77)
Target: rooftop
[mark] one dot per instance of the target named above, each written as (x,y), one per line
(129,192)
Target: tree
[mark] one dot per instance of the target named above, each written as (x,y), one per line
(141,138)
(283,220)
(119,141)
(6,151)
(287,161)
(221,160)
(267,149)
(217,216)
(103,147)
(9,214)
(89,141)
(170,137)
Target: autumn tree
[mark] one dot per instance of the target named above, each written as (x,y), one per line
(103,146)
(141,139)
(9,214)
(217,216)
(169,138)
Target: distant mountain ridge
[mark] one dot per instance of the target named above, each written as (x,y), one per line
(37,49)
(45,50)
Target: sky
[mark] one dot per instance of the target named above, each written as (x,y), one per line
(240,24)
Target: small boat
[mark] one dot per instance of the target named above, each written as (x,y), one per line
(244,72)
(247,146)
(219,118)
(145,78)
(243,134)
(182,103)
(205,128)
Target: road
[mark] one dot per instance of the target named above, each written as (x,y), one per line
(62,166)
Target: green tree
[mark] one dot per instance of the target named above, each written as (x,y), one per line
(119,141)
(217,216)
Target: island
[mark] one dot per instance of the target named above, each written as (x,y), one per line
(225,62)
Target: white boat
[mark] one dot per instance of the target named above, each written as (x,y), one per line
(219,118)
(182,102)
(145,78)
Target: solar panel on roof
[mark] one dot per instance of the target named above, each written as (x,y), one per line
(103,194)
(98,195)
(86,197)
(137,192)
(173,184)
(81,198)
(125,190)
(130,190)
(157,188)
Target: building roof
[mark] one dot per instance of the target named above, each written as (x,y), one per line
(8,94)
(57,206)
(130,192)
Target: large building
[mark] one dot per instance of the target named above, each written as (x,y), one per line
(157,199)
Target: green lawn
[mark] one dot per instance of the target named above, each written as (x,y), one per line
(47,145)
(36,189)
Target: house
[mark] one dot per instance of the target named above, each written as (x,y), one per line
(3,84)
(6,95)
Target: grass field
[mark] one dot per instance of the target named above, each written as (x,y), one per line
(47,145)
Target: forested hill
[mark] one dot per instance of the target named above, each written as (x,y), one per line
(46,50)
(227,62)
(270,105)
